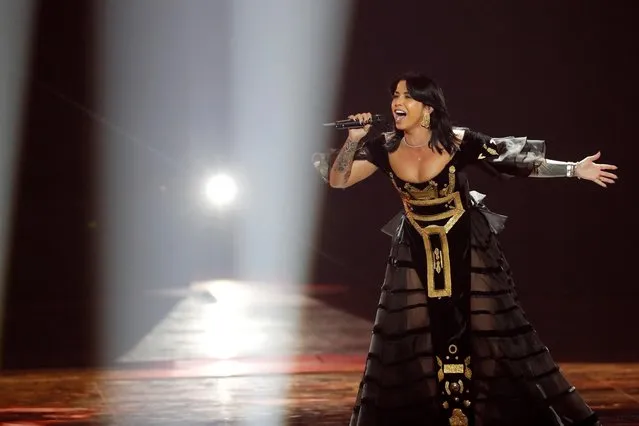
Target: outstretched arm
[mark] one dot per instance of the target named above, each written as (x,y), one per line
(520,156)
(585,169)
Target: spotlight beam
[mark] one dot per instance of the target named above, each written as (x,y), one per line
(15,22)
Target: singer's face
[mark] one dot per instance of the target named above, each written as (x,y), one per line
(407,112)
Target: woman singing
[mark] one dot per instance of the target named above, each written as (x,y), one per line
(451,344)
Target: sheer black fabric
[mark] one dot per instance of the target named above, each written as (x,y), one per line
(448,286)
(515,380)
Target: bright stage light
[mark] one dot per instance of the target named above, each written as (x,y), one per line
(220,190)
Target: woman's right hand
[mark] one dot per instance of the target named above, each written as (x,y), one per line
(357,134)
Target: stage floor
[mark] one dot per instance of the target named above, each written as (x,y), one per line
(312,390)
(284,359)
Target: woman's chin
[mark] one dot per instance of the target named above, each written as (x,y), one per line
(402,125)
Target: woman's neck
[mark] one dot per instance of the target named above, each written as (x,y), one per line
(417,136)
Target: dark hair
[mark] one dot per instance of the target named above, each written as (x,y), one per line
(426,91)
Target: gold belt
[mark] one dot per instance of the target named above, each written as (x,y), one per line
(437,261)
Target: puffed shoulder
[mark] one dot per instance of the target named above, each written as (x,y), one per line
(369,150)
(507,156)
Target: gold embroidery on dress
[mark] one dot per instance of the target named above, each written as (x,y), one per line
(454,368)
(468,372)
(434,231)
(440,372)
(491,151)
(428,193)
(432,191)
(437,261)
(439,232)
(458,418)
(451,373)
(454,387)
(450,188)
(452,200)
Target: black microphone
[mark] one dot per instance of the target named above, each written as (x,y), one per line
(354,124)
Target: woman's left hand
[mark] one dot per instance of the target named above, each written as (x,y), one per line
(589,170)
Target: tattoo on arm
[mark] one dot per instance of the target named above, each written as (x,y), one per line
(553,168)
(344,160)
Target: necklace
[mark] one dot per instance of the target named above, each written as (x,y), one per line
(415,146)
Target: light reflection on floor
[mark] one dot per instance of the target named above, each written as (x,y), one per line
(227,319)
(206,364)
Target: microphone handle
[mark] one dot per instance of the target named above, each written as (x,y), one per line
(354,124)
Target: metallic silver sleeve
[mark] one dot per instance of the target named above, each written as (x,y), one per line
(515,156)
(554,168)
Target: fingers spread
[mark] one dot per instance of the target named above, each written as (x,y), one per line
(607,167)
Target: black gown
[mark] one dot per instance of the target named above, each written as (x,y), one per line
(451,344)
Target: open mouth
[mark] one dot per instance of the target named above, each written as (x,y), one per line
(399,114)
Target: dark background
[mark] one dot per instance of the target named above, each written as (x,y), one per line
(560,71)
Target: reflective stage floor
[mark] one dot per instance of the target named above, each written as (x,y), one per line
(244,354)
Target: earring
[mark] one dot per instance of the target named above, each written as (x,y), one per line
(426,121)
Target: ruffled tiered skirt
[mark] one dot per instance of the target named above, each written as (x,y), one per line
(515,381)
